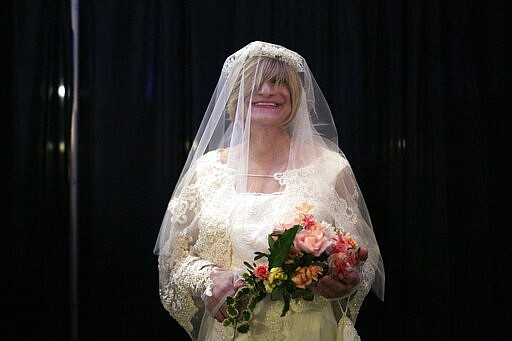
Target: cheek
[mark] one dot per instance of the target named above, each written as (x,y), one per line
(287,95)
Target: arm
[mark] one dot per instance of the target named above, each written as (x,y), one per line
(195,249)
(352,215)
(182,274)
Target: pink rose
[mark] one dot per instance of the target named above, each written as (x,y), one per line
(313,240)
(261,271)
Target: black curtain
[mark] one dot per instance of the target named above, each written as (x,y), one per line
(418,94)
(36,233)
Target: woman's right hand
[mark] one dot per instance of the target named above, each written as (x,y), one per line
(222,283)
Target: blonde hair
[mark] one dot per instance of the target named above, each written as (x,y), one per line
(268,69)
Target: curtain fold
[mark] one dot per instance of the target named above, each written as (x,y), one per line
(37,233)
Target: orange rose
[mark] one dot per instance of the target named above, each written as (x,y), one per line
(306,275)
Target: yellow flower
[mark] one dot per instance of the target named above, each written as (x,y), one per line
(274,277)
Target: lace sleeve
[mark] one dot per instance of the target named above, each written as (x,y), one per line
(183,275)
(352,214)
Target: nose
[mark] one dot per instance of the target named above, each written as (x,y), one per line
(266,89)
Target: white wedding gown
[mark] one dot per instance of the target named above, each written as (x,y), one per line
(216,237)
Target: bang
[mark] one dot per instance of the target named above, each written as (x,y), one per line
(272,70)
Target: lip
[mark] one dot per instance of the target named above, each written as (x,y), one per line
(266,104)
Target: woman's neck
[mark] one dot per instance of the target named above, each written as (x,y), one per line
(268,150)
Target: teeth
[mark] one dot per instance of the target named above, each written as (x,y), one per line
(269,104)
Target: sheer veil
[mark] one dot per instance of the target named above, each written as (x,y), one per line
(311,136)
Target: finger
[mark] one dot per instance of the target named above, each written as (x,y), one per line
(223,311)
(334,288)
(352,278)
(363,254)
(337,288)
(325,290)
(238,284)
(219,317)
(336,285)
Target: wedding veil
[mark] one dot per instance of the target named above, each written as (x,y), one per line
(226,127)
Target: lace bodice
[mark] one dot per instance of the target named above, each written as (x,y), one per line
(252,235)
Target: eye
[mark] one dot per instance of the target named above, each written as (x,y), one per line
(276,81)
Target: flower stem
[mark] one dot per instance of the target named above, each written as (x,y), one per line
(234,331)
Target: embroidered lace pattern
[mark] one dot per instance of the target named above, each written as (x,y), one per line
(180,271)
(197,249)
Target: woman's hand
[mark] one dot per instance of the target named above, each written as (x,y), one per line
(223,284)
(222,313)
(330,287)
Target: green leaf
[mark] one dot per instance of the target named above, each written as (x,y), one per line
(271,241)
(232,312)
(308,295)
(277,293)
(297,293)
(244,291)
(261,295)
(243,327)
(230,300)
(246,315)
(286,306)
(252,304)
(281,247)
(249,266)
(259,255)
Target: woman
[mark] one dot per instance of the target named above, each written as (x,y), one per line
(267,144)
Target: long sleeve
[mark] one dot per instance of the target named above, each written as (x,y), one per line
(353,214)
(183,274)
(182,283)
(195,244)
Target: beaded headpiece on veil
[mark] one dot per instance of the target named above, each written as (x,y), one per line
(259,48)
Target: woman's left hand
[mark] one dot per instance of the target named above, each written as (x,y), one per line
(330,287)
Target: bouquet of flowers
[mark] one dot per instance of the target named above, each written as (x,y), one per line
(299,254)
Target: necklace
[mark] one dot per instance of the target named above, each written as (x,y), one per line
(260,175)
(276,176)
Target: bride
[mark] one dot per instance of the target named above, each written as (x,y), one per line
(267,144)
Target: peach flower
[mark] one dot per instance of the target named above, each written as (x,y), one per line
(306,275)
(304,208)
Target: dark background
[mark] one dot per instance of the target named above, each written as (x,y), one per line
(418,94)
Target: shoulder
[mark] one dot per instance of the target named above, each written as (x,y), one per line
(333,160)
(209,168)
(207,161)
(209,157)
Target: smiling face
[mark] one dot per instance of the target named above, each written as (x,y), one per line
(276,94)
(271,104)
